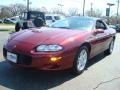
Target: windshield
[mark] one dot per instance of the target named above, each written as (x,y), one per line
(33,15)
(74,23)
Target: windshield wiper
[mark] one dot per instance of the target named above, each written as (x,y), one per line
(62,27)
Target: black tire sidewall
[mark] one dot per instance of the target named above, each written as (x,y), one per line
(110,46)
(75,69)
(108,52)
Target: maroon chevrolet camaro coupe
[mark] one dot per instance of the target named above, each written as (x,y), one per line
(67,43)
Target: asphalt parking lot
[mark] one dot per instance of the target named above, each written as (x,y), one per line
(103,73)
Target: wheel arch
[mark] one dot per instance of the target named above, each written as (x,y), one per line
(87,45)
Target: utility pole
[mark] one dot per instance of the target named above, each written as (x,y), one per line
(84,8)
(28,3)
(91,8)
(117,11)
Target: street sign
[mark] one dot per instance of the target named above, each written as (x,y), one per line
(107,11)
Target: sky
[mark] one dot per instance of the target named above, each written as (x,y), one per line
(97,4)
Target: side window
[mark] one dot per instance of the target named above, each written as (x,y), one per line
(100,25)
(48,17)
(25,16)
(57,17)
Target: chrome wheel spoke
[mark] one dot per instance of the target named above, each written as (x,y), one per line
(82,59)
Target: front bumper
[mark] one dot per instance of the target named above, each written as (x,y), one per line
(42,62)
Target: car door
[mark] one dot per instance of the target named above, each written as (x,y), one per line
(101,37)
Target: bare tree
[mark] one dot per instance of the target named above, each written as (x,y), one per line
(11,10)
(113,20)
(35,9)
(5,12)
(44,9)
(73,11)
(17,9)
(94,13)
(57,11)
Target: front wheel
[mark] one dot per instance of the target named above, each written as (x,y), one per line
(81,59)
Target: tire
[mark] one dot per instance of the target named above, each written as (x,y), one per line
(110,49)
(81,55)
(38,22)
(17,27)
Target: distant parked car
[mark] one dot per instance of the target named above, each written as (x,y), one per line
(112,26)
(8,21)
(15,19)
(117,27)
(50,18)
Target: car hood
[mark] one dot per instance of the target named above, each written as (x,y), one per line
(45,35)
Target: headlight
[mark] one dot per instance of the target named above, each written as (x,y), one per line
(49,48)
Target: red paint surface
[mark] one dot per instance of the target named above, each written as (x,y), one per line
(26,42)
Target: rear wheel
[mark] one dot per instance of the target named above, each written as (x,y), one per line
(38,22)
(81,59)
(110,49)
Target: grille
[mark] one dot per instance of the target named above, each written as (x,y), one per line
(24,60)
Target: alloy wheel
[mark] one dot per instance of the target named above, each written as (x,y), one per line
(82,59)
